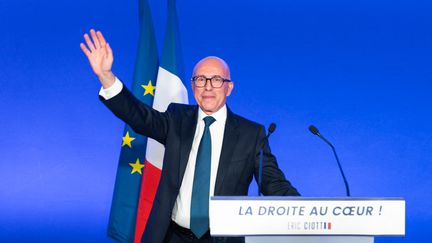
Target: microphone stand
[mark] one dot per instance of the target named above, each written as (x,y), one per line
(315,131)
(271,129)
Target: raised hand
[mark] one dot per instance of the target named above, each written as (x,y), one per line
(100,56)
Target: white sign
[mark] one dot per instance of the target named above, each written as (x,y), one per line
(235,216)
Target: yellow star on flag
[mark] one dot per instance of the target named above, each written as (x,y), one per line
(149,88)
(136,167)
(127,140)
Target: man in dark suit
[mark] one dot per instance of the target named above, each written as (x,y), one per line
(209,150)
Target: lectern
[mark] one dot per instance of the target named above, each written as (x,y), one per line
(307,220)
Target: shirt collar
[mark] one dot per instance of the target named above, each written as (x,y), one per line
(219,115)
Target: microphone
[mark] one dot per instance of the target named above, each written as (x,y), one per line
(270,130)
(315,131)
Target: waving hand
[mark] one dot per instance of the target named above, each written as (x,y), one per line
(100,56)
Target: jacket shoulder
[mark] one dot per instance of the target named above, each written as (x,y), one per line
(178,109)
(181,106)
(247,123)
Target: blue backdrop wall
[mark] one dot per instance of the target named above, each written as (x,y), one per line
(359,70)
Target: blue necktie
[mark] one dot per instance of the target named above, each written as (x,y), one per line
(199,218)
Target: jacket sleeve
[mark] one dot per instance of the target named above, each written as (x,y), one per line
(142,118)
(273,180)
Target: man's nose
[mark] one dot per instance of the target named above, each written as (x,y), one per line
(208,85)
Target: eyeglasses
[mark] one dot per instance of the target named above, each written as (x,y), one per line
(215,81)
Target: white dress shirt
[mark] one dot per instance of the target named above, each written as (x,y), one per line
(181,210)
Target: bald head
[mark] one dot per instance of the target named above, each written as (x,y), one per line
(211,99)
(213,64)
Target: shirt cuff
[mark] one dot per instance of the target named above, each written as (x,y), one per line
(112,91)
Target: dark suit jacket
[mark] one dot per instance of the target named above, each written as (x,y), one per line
(175,128)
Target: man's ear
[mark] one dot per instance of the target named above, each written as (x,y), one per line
(230,88)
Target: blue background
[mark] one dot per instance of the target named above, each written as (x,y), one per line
(359,70)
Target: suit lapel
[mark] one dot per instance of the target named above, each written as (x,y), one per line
(188,127)
(228,145)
